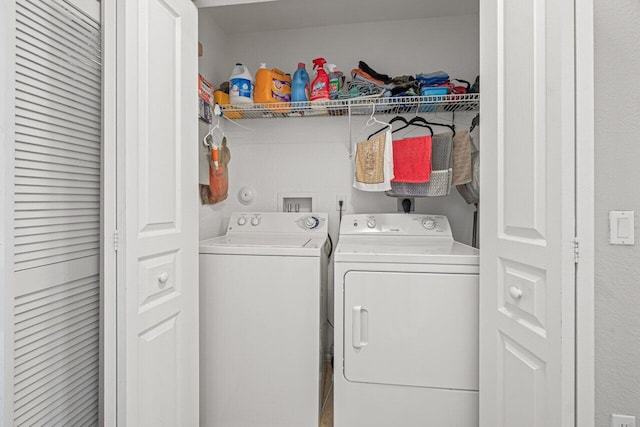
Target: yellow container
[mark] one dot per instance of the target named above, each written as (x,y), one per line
(221,98)
(272,86)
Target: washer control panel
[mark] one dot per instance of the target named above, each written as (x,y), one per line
(278,222)
(248,220)
(396,224)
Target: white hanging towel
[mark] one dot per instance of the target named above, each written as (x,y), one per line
(373,163)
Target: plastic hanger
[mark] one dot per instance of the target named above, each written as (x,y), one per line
(373,120)
(209,134)
(424,121)
(414,122)
(395,119)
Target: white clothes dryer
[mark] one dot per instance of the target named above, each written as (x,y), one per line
(262,318)
(406,323)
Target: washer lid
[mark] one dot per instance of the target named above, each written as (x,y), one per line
(264,244)
(406,250)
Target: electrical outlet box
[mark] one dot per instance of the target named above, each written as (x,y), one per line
(342,197)
(411,200)
(622,421)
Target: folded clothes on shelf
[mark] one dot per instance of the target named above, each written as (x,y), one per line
(436,78)
(367,82)
(384,78)
(362,84)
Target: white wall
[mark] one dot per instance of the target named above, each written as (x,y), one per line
(214,63)
(311,155)
(390,47)
(617,123)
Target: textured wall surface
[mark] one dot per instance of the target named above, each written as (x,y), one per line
(617,123)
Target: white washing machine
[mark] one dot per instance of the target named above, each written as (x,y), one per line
(406,324)
(262,317)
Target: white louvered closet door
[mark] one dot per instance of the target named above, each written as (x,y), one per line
(57,213)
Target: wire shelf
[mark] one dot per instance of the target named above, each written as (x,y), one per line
(355,106)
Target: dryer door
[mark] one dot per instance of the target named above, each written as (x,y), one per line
(417,329)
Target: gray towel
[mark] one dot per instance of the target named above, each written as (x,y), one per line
(441,147)
(461,158)
(470,191)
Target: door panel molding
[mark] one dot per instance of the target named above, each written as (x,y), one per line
(528,402)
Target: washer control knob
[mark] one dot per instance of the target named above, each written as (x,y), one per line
(429,223)
(242,221)
(371,222)
(311,222)
(255,221)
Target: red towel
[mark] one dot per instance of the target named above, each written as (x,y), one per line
(412,160)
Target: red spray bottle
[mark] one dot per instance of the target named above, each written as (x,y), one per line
(320,86)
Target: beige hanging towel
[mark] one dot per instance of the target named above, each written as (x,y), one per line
(370,161)
(461,158)
(374,163)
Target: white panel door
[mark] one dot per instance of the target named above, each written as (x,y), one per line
(157,365)
(527,274)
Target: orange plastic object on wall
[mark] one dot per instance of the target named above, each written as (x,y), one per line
(219,173)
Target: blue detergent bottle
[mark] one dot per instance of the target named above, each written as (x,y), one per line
(300,84)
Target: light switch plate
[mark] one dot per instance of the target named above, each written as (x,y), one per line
(622,421)
(621,227)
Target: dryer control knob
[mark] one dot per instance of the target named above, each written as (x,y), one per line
(371,223)
(429,223)
(255,221)
(242,221)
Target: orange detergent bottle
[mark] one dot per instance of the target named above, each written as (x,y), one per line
(272,85)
